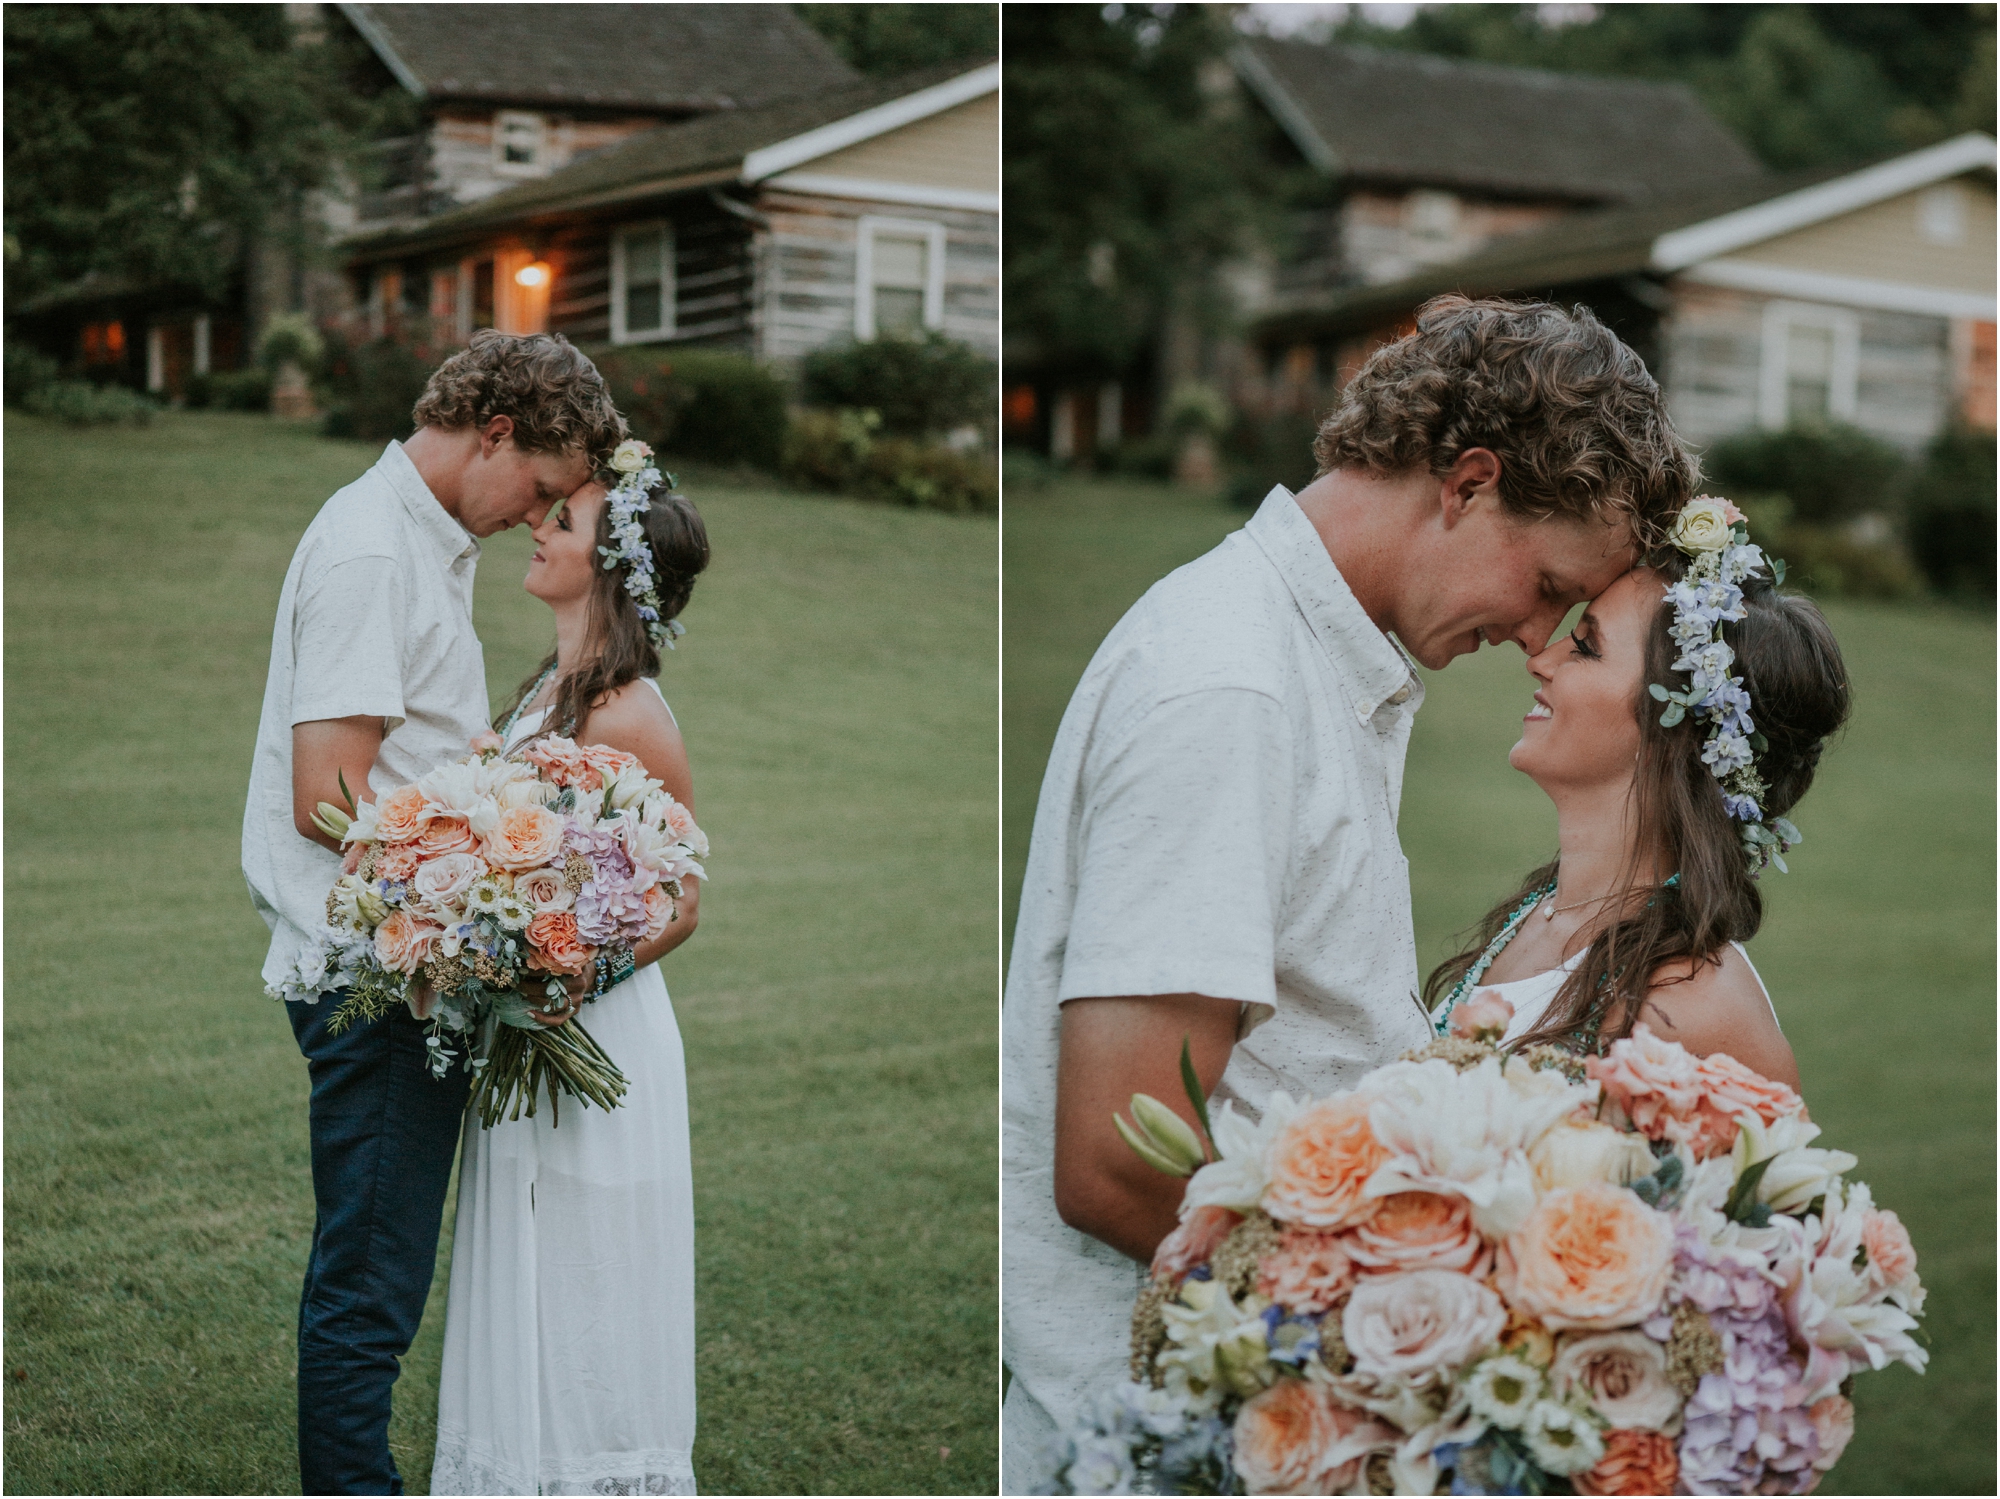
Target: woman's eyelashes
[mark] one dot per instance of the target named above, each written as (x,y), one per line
(1583,646)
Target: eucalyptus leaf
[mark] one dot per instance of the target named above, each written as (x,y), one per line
(1659,692)
(1674,714)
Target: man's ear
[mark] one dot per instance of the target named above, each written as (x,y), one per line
(1475,475)
(496,431)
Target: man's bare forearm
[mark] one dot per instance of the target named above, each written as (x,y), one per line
(1111,1049)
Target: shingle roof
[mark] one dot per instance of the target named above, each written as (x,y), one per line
(1408,118)
(664,57)
(654,159)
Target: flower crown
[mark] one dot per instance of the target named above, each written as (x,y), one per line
(629,500)
(1715,535)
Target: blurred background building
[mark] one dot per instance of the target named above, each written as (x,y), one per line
(1787,210)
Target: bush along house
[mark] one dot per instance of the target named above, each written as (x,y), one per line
(855,211)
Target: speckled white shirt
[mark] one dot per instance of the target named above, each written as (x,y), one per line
(375,619)
(1218,817)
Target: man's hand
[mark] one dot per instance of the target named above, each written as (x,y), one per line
(577,988)
(1111,1049)
(326,751)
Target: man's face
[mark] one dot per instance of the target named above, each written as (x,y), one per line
(503,485)
(1489,577)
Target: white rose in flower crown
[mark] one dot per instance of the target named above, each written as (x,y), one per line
(630,456)
(1703,526)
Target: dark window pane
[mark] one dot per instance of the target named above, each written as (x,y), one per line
(642,308)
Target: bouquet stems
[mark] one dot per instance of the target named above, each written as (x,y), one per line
(564,1059)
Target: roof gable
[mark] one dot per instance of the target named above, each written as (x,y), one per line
(1406,117)
(1822,201)
(676,58)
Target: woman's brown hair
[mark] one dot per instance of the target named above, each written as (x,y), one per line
(1792,669)
(617,647)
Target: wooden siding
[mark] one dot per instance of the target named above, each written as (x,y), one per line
(959,148)
(1714,342)
(1886,242)
(806,272)
(713,274)
(460,161)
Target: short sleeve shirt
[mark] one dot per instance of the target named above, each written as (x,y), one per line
(375,620)
(1218,817)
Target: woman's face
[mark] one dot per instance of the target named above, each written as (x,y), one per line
(1583,730)
(565,561)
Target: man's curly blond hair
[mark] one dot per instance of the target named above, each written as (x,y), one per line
(1579,426)
(555,395)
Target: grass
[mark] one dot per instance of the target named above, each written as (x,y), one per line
(837,693)
(1878,947)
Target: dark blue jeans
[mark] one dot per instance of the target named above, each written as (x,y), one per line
(383,1133)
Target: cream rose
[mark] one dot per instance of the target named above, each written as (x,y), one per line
(545,890)
(1575,1154)
(443,880)
(630,456)
(1295,1438)
(1412,1327)
(1624,1377)
(1703,525)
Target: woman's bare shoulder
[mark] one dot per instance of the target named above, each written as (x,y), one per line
(634,718)
(1719,1005)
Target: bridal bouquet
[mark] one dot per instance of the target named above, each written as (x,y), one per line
(1479,1273)
(471,894)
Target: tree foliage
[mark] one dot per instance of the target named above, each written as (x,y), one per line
(1130,173)
(884,40)
(149,143)
(1804,86)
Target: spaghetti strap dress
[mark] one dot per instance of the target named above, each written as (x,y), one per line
(569,1326)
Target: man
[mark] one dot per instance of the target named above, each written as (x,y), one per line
(1215,854)
(376,676)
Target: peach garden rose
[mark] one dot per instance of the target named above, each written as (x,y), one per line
(524,838)
(399,815)
(1295,1438)
(1592,1257)
(1419,1231)
(1320,1164)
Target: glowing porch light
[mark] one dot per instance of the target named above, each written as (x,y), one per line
(536,274)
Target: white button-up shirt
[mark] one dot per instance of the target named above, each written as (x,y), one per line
(375,619)
(1218,817)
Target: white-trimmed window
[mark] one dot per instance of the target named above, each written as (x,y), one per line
(898,277)
(520,144)
(1811,356)
(642,283)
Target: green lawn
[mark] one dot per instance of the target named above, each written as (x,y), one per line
(836,688)
(1878,948)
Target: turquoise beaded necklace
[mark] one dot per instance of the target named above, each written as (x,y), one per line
(1501,938)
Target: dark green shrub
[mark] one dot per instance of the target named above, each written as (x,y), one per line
(1258,452)
(28,370)
(1140,457)
(371,388)
(923,387)
(1829,473)
(699,403)
(230,390)
(841,451)
(1951,513)
(82,404)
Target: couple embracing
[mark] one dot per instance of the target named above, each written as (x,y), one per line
(1215,857)
(569,1335)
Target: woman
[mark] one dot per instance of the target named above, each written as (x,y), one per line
(1674,729)
(569,1334)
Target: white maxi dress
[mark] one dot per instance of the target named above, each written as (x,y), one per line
(569,1329)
